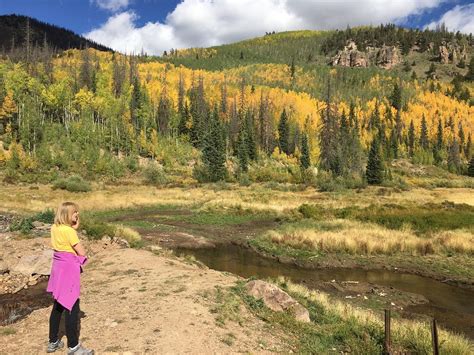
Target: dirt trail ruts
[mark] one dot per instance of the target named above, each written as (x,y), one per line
(137,302)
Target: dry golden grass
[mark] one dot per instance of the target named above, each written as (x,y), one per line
(127,233)
(405,333)
(24,199)
(355,237)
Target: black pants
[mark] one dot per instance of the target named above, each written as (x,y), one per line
(72,319)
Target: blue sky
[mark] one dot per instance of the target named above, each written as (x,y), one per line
(157,25)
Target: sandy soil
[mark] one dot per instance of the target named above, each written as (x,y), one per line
(135,301)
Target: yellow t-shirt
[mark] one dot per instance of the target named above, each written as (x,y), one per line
(63,237)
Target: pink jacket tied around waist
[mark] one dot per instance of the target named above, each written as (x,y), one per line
(65,279)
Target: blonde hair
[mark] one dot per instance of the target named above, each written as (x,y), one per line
(64,213)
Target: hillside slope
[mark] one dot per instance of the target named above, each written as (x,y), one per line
(13,29)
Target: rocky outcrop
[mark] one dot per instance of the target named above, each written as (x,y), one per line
(385,57)
(388,56)
(350,57)
(452,53)
(277,299)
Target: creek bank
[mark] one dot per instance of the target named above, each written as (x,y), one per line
(410,295)
(367,263)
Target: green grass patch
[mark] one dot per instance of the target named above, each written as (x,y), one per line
(7,331)
(139,211)
(422,219)
(74,183)
(218,219)
(25,225)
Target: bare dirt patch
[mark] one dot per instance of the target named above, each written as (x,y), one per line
(137,301)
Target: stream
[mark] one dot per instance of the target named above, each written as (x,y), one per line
(453,307)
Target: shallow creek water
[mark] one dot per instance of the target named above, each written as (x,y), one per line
(452,306)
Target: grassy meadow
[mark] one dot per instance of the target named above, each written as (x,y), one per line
(419,230)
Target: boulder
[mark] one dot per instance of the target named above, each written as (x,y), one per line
(37,224)
(39,264)
(443,54)
(277,299)
(388,56)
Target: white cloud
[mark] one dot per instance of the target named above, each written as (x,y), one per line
(112,5)
(460,18)
(195,23)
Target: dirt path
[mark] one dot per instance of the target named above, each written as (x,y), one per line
(135,301)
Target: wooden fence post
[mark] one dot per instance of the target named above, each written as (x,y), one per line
(386,344)
(434,337)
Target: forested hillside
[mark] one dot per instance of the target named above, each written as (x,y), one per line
(267,109)
(20,34)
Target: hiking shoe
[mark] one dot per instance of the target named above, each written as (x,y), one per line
(52,347)
(80,350)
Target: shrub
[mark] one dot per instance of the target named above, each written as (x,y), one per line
(24,225)
(46,216)
(154,175)
(73,183)
(201,174)
(244,180)
(130,235)
(95,229)
(325,181)
(131,162)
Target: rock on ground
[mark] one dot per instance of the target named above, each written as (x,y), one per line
(38,263)
(277,299)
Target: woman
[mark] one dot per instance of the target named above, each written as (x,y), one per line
(64,281)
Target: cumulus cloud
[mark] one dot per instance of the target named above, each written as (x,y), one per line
(112,5)
(196,23)
(460,18)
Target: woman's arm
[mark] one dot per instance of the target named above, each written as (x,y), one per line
(79,248)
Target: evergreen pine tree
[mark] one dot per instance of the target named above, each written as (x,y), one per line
(184,118)
(181,93)
(283,133)
(467,150)
(214,149)
(411,139)
(356,153)
(439,135)
(242,149)
(374,171)
(250,136)
(398,127)
(470,169)
(345,144)
(470,72)
(461,137)
(424,141)
(374,121)
(199,111)
(305,160)
(163,114)
(393,144)
(135,102)
(329,142)
(454,160)
(396,97)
